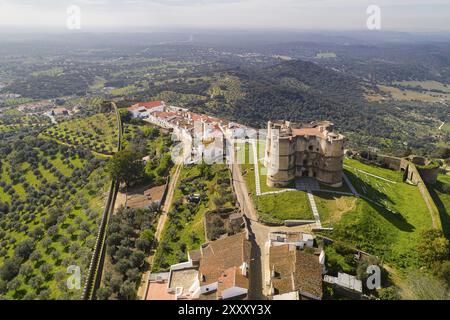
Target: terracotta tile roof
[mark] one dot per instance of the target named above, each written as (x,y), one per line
(281,261)
(232,277)
(308,274)
(195,255)
(150,104)
(60,110)
(203,117)
(164,114)
(295,270)
(221,255)
(308,132)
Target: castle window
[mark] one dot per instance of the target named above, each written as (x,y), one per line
(310,148)
(305,162)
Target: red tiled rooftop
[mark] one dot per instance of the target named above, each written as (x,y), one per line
(164,114)
(308,132)
(150,104)
(223,254)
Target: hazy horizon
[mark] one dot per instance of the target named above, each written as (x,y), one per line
(292,15)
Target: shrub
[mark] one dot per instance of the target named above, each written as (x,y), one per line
(10,269)
(128,291)
(24,249)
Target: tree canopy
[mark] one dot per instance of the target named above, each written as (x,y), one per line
(126,166)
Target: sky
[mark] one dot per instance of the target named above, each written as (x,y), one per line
(146,15)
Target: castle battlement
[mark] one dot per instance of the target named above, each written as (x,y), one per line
(303,150)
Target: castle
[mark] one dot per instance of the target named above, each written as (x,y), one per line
(311,150)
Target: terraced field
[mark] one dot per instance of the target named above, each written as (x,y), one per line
(98,133)
(51,197)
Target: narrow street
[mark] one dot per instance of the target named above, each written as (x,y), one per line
(259,234)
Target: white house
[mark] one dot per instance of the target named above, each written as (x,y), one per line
(143,109)
(298,239)
(219,268)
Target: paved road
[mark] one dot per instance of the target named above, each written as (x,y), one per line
(259,234)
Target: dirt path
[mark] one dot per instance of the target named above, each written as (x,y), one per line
(120,200)
(142,291)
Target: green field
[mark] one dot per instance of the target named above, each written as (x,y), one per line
(291,205)
(441,197)
(390,224)
(97,133)
(53,72)
(426,85)
(404,94)
(333,207)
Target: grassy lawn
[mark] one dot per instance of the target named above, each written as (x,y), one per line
(392,175)
(333,207)
(392,234)
(291,205)
(442,201)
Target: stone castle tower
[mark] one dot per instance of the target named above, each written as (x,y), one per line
(311,150)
